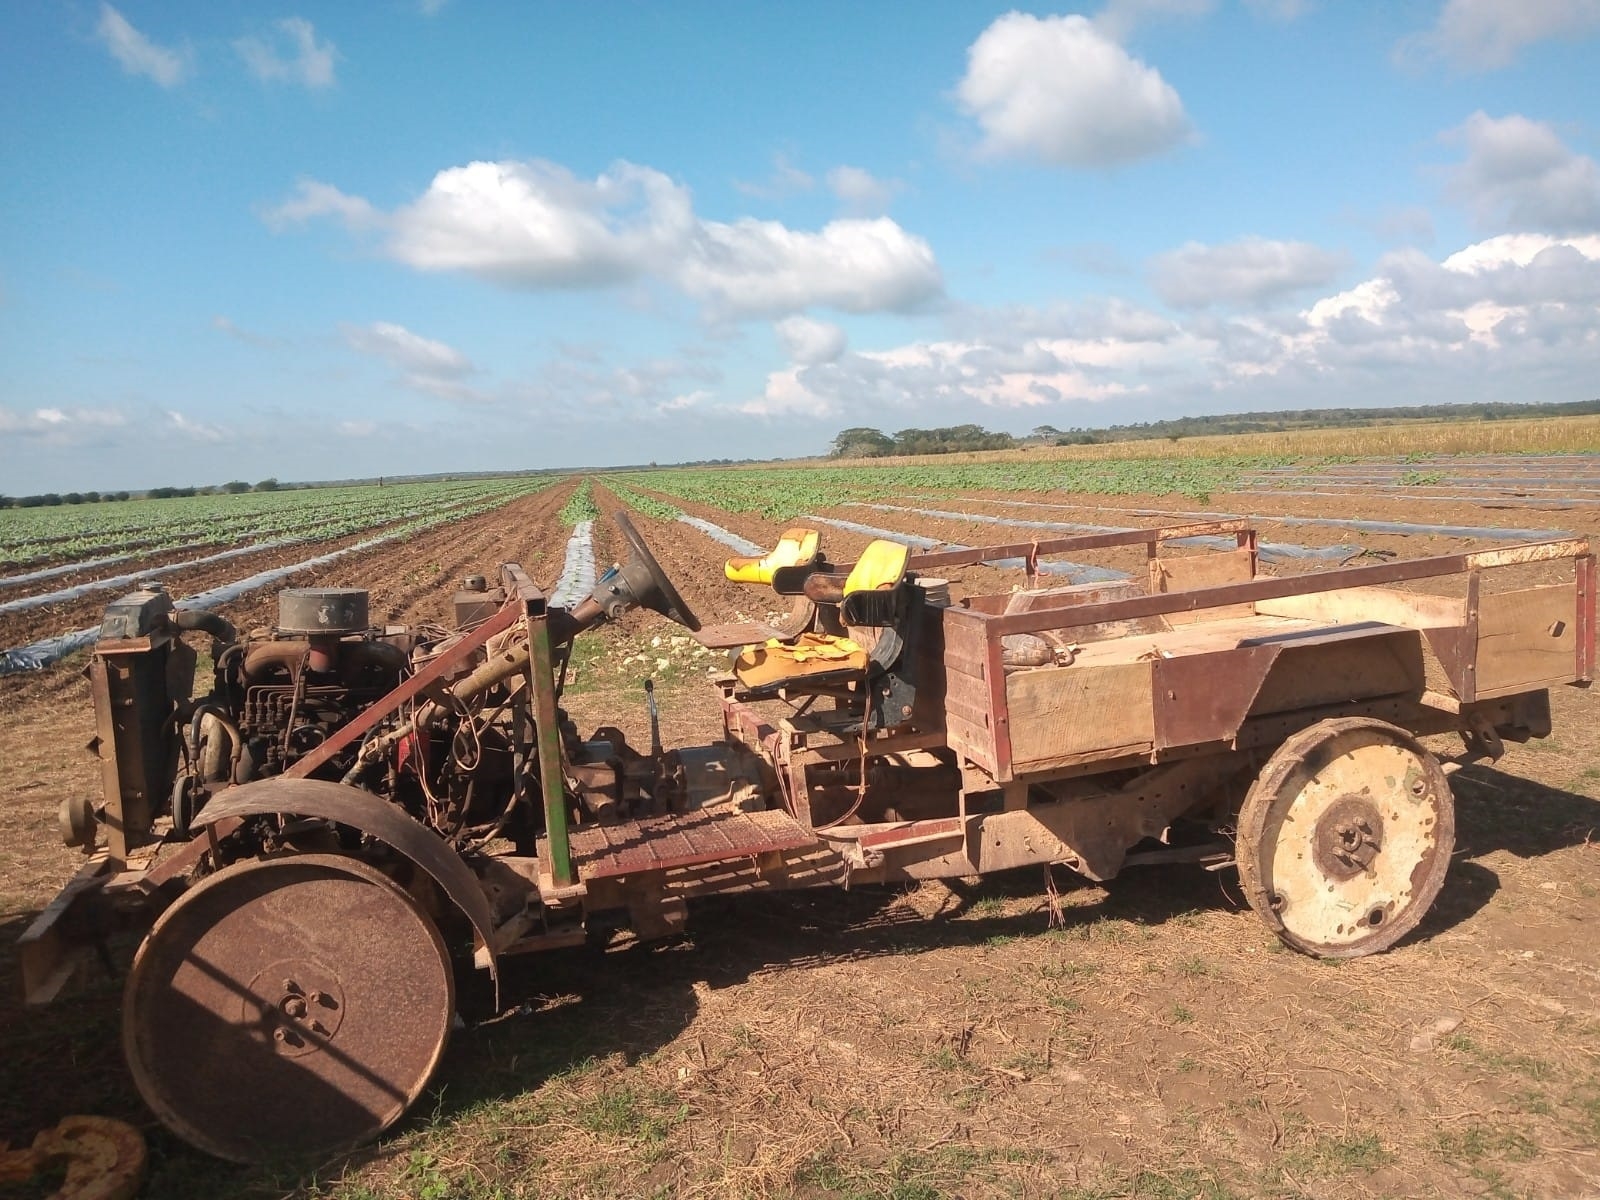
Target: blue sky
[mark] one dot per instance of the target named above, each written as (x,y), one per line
(323,240)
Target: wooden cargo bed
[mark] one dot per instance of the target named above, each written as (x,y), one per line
(1186,659)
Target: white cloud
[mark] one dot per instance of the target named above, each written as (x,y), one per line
(313,199)
(1517,302)
(199,431)
(861,192)
(1279,10)
(1485,34)
(410,351)
(810,341)
(534,224)
(786,180)
(137,53)
(1023,361)
(1519,175)
(425,365)
(52,422)
(291,54)
(1119,18)
(763,267)
(226,325)
(1513,317)
(685,401)
(1060,90)
(1246,272)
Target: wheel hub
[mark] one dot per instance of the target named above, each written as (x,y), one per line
(297,1006)
(1348,837)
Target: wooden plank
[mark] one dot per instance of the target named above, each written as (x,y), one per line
(1066,545)
(1196,571)
(1342,666)
(1087,593)
(974,665)
(1381,604)
(1527,638)
(964,633)
(1058,711)
(971,740)
(967,698)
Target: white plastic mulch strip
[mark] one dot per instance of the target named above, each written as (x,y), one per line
(728,538)
(65,569)
(1077,572)
(1482,499)
(1269,551)
(40,654)
(577,573)
(1488,532)
(112,582)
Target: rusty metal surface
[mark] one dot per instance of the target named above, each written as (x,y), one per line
(48,957)
(1345,837)
(372,815)
(1586,617)
(735,634)
(287,1007)
(1203,698)
(409,690)
(661,843)
(101,1158)
(1031,550)
(1200,599)
(188,855)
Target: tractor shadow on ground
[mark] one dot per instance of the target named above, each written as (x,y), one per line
(631,999)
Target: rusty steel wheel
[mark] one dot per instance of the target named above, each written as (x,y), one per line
(287,1007)
(1345,837)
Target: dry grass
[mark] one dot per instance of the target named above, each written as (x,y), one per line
(1547,435)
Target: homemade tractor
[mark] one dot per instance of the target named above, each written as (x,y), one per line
(309,841)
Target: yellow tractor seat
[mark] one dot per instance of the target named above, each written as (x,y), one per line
(798,547)
(872,589)
(808,657)
(872,596)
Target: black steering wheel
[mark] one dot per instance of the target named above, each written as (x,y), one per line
(666,600)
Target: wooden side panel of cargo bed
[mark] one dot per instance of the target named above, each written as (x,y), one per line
(1060,713)
(967,690)
(1214,569)
(1527,639)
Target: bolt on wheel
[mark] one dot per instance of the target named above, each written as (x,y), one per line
(287,1007)
(1345,837)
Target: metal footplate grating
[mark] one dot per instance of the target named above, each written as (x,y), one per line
(661,843)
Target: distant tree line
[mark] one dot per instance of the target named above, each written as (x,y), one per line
(52,499)
(864,442)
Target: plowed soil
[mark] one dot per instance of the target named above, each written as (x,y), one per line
(942,1041)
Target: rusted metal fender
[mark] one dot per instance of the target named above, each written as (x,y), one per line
(372,815)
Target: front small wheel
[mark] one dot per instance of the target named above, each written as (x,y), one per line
(1345,837)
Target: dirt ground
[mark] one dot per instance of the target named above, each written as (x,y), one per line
(942,1040)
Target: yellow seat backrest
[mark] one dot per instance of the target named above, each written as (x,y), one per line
(881,565)
(795,548)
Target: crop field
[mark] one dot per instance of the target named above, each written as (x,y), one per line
(927,1042)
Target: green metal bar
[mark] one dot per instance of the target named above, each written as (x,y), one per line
(541,677)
